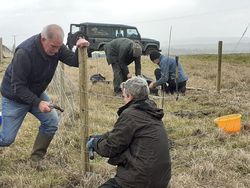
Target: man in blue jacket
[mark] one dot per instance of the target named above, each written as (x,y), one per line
(24,84)
(166,74)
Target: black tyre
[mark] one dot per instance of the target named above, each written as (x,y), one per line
(101,48)
(76,36)
(90,53)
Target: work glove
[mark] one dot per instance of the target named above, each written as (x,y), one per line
(91,140)
(90,144)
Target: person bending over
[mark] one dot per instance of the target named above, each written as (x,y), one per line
(120,53)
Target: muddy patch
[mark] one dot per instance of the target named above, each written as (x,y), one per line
(194,114)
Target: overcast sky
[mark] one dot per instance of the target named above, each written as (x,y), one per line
(189,18)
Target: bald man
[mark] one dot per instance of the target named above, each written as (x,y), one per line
(24,84)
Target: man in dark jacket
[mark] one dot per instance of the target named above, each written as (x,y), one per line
(24,84)
(166,74)
(138,143)
(120,53)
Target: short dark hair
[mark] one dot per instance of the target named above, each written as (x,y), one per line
(154,55)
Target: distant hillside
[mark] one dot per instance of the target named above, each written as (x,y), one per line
(207,45)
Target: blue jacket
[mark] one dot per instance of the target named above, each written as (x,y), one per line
(168,71)
(31,70)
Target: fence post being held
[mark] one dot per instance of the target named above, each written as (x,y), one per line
(82,58)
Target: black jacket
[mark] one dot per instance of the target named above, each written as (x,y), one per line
(31,70)
(138,145)
(120,51)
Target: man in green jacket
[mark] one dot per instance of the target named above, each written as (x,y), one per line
(138,143)
(120,53)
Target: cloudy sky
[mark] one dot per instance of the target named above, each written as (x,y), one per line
(190,19)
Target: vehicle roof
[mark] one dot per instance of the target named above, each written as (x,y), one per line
(106,24)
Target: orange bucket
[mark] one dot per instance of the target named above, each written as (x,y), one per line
(229,123)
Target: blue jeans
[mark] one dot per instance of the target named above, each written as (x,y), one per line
(13,114)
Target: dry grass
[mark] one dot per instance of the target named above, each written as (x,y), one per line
(202,155)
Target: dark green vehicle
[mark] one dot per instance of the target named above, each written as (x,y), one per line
(98,34)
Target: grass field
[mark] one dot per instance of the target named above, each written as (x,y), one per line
(202,155)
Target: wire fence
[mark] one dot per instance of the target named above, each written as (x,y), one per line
(192,123)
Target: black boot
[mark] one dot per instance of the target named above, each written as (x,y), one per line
(39,150)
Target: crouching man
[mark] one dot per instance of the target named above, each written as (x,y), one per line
(166,74)
(138,143)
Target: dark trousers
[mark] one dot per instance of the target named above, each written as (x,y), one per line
(120,73)
(111,183)
(171,87)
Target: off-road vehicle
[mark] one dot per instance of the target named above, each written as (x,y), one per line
(98,34)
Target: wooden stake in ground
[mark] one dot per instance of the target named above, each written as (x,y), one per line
(82,57)
(219,66)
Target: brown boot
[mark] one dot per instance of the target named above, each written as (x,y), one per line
(39,150)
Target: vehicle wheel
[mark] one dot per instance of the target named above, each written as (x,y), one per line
(101,48)
(149,50)
(76,36)
(90,53)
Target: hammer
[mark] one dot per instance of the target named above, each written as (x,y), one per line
(56,107)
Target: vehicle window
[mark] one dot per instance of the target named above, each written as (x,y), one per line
(97,31)
(75,29)
(132,33)
(119,33)
(82,28)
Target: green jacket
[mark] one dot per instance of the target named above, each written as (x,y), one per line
(120,51)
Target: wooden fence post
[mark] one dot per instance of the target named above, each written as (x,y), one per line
(82,57)
(1,49)
(219,66)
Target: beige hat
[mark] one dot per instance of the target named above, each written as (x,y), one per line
(137,50)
